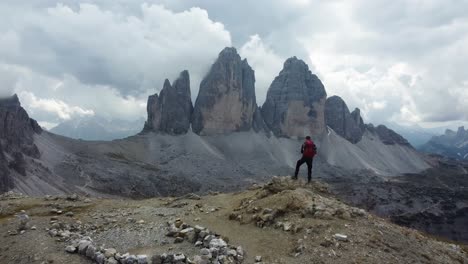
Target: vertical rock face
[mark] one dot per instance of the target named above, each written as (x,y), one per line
(16,140)
(153,107)
(295,102)
(226,101)
(345,124)
(6,182)
(16,128)
(258,124)
(356,115)
(171,111)
(176,105)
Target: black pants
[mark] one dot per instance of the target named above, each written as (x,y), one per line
(309,162)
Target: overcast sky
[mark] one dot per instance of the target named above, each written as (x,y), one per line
(399,61)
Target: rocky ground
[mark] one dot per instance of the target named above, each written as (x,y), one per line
(280,222)
(434,201)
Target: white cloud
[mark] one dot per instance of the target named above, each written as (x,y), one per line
(52,100)
(64,58)
(47,125)
(401,61)
(264,61)
(132,53)
(396,61)
(53,106)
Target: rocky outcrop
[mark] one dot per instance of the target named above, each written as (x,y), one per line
(154,110)
(356,115)
(171,111)
(17,132)
(387,136)
(16,128)
(226,101)
(338,118)
(295,102)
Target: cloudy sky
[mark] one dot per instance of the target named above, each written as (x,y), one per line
(399,61)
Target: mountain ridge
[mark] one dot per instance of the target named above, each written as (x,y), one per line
(452,144)
(171,149)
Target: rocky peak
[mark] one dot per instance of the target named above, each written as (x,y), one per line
(338,117)
(9,102)
(17,132)
(229,54)
(295,102)
(449,132)
(226,101)
(171,111)
(16,128)
(356,115)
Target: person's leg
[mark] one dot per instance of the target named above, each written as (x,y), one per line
(309,169)
(298,166)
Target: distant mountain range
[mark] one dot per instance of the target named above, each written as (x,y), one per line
(415,134)
(98,128)
(451,144)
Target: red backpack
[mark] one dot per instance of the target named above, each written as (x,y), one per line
(309,149)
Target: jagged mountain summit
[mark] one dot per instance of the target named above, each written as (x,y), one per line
(171,111)
(337,116)
(226,101)
(351,126)
(170,158)
(295,102)
(451,144)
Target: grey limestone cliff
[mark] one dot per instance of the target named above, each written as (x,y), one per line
(16,128)
(295,102)
(171,111)
(17,132)
(345,124)
(226,101)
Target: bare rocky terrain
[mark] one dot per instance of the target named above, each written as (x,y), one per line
(435,200)
(279,222)
(226,143)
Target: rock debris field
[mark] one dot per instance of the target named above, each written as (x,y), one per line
(280,222)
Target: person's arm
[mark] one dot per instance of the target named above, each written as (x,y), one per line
(302,148)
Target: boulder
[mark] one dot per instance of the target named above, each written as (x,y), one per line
(171,111)
(226,101)
(338,118)
(295,102)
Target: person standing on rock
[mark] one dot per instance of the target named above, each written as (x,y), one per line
(308,151)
